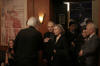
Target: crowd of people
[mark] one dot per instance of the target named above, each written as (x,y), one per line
(59,46)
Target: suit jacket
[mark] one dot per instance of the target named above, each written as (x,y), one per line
(61,47)
(47,46)
(27,44)
(90,51)
(61,57)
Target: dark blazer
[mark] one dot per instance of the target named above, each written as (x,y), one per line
(47,46)
(27,44)
(90,51)
(61,57)
(61,46)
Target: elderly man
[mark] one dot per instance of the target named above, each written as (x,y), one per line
(89,49)
(47,46)
(27,44)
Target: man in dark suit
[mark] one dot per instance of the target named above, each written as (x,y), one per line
(47,46)
(71,36)
(89,50)
(27,44)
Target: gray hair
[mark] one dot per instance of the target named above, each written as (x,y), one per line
(32,21)
(60,26)
(92,26)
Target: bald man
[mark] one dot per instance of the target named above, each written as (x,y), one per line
(89,50)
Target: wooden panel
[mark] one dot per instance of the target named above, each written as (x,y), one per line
(99,27)
(99,21)
(34,7)
(0,19)
(42,6)
(30,8)
(3,48)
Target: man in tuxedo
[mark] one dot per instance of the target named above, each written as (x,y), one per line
(89,50)
(27,44)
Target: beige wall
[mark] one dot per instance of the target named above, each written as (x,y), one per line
(42,6)
(0,20)
(95,11)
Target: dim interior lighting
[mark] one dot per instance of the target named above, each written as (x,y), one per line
(68,5)
(41,17)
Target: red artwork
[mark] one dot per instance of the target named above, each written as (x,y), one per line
(12,24)
(13,17)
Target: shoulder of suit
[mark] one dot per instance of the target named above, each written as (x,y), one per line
(63,37)
(94,37)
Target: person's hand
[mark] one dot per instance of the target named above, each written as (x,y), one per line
(51,58)
(54,50)
(12,52)
(81,53)
(45,60)
(73,44)
(46,39)
(6,62)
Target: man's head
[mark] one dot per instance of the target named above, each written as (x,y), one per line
(84,34)
(32,21)
(50,26)
(90,28)
(72,26)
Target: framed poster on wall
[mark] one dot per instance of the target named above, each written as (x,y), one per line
(13,18)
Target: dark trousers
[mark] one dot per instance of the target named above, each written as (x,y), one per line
(60,61)
(26,63)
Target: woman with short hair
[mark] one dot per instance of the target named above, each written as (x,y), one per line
(61,49)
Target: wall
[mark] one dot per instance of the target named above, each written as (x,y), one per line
(0,20)
(95,11)
(96,15)
(35,7)
(99,23)
(30,9)
(1,48)
(42,6)
(99,17)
